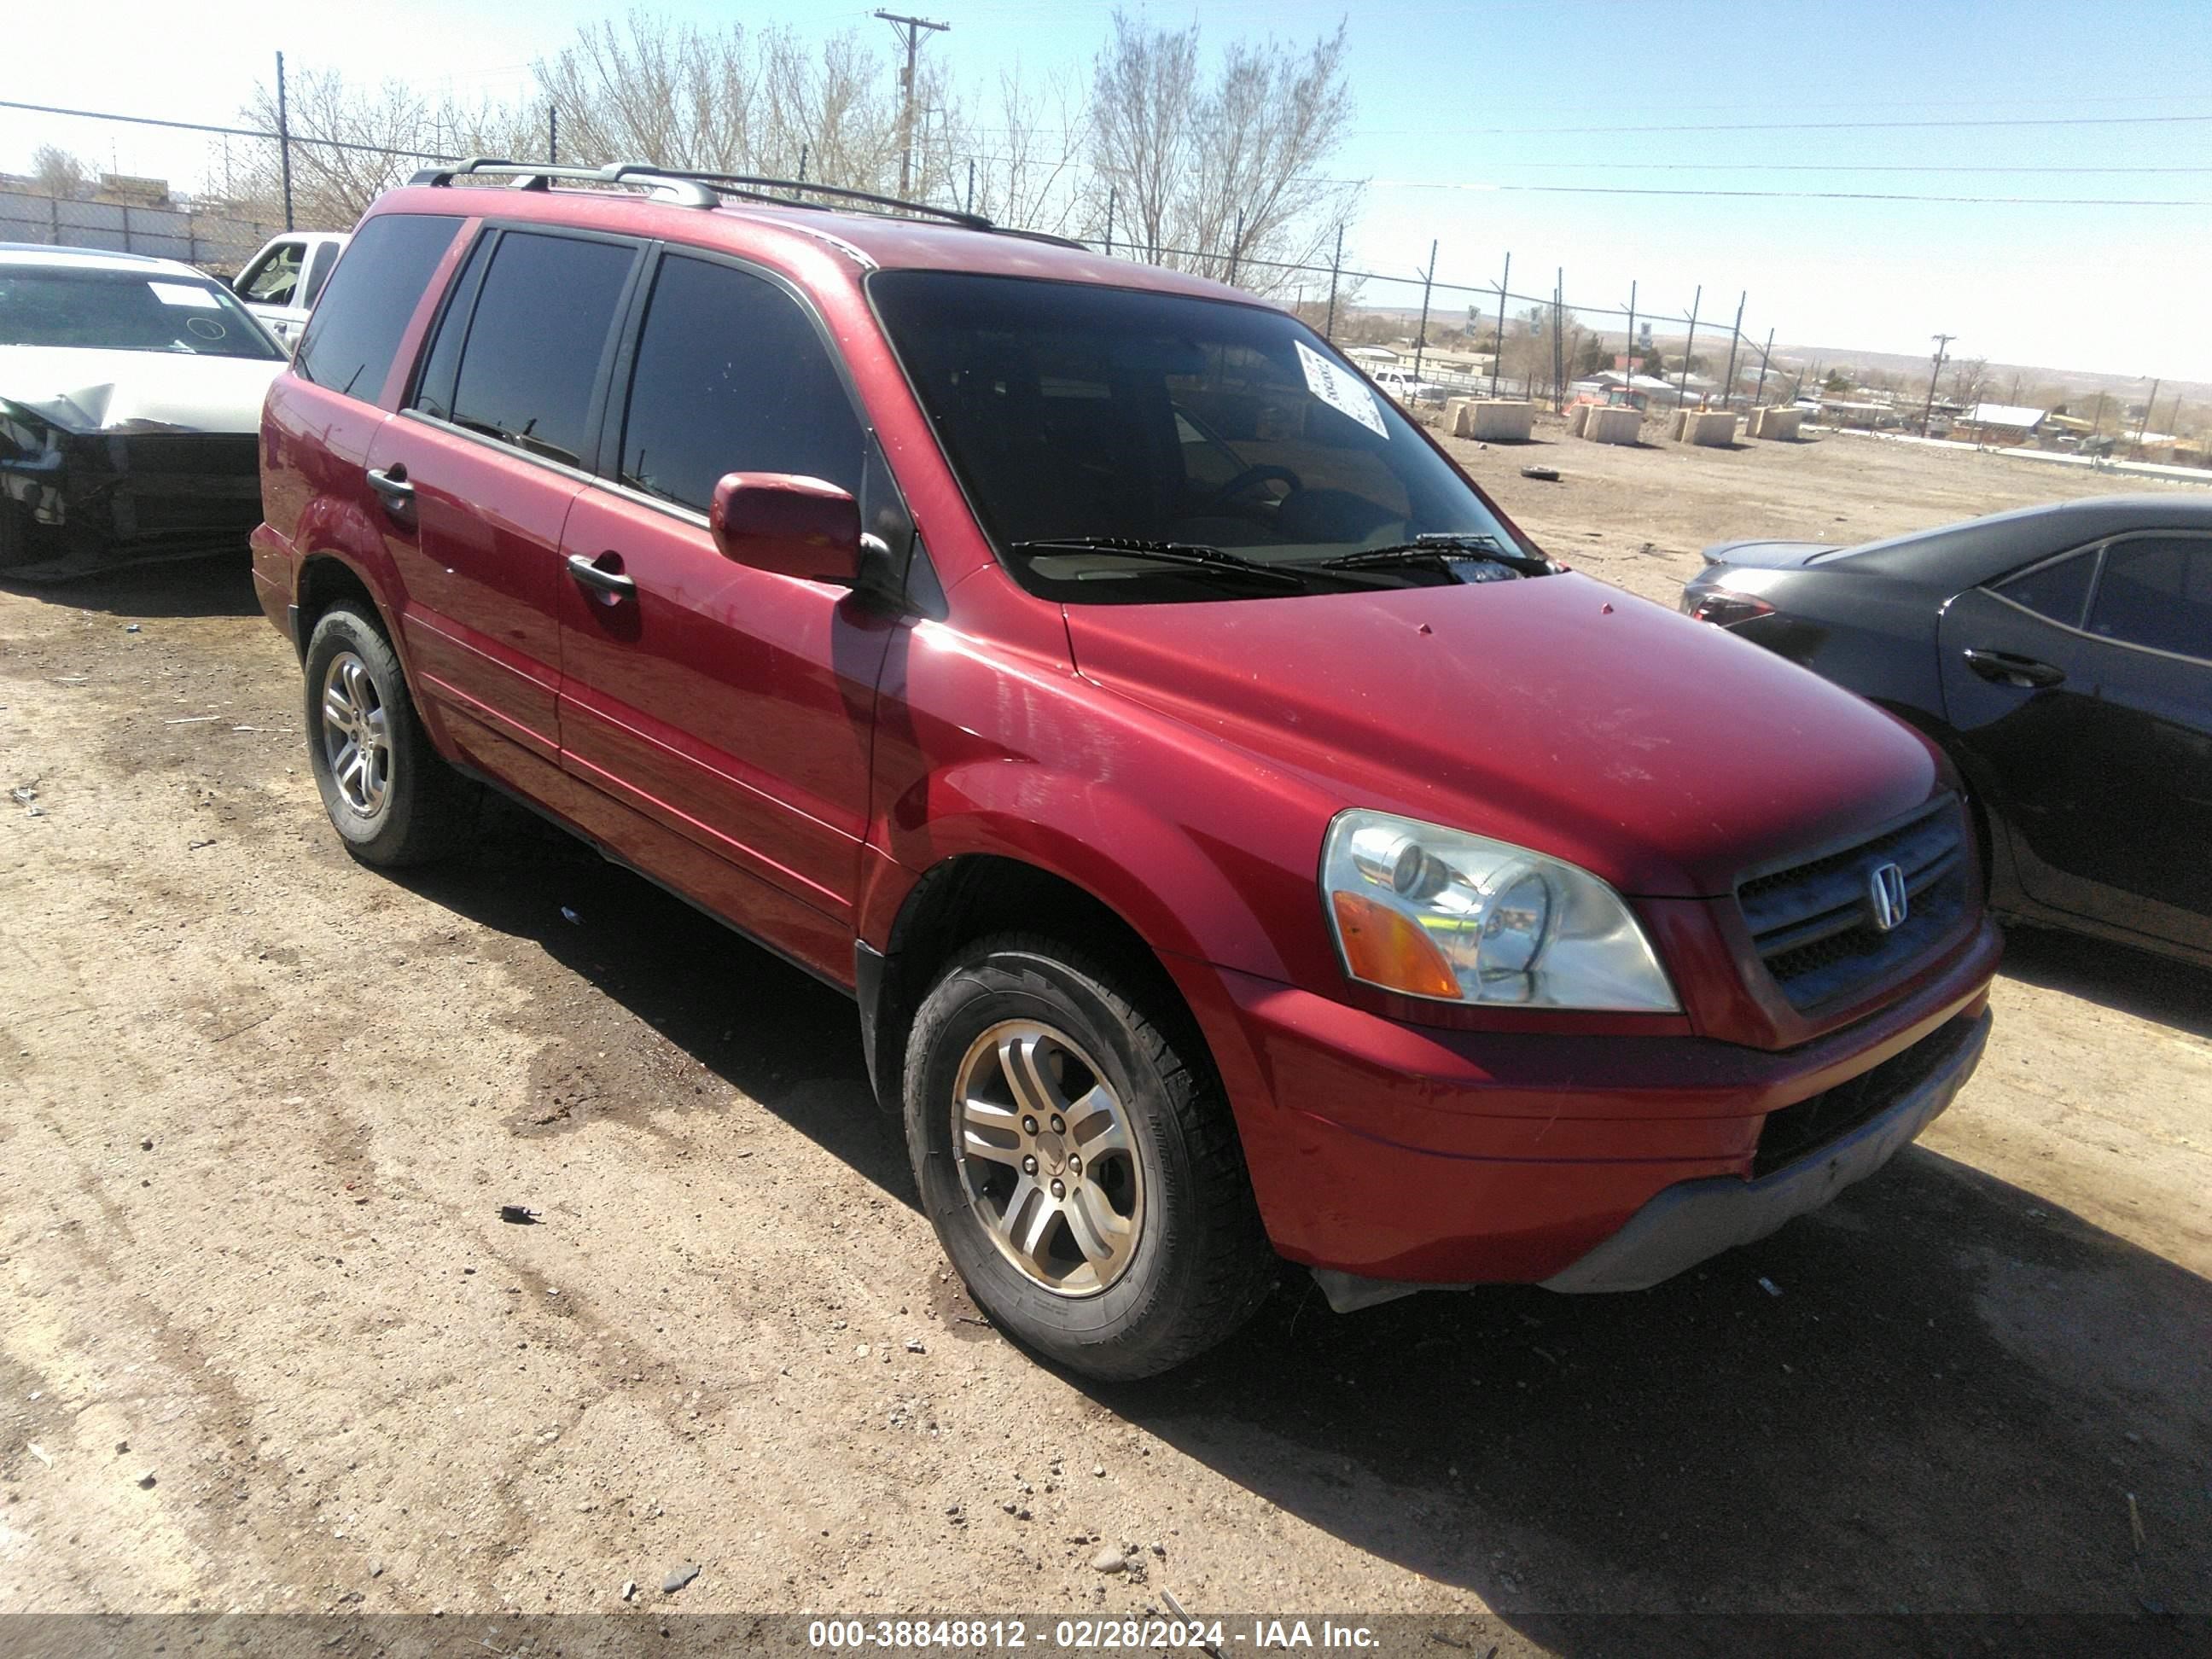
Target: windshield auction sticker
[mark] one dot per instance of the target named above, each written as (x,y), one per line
(1339,390)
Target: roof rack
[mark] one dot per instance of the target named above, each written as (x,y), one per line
(687,188)
(755,188)
(539,175)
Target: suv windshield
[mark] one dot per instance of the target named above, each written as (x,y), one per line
(1077,413)
(126,311)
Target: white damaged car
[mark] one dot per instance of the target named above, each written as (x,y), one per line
(131,395)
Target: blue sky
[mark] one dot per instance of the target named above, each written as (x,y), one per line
(1457,102)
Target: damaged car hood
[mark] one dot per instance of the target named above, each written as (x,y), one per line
(85,390)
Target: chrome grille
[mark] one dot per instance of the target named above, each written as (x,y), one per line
(1814,923)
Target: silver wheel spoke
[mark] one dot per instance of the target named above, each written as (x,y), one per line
(1099,1233)
(1032,1232)
(991,1131)
(1023,1059)
(1097,1125)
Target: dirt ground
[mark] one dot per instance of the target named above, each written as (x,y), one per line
(266,1344)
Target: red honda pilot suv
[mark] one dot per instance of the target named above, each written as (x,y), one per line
(1242,841)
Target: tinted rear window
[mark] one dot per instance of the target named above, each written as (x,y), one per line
(354,332)
(2056,591)
(2157,591)
(540,327)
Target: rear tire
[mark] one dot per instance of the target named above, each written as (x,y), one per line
(1028,1058)
(389,794)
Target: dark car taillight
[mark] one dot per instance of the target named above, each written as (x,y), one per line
(1723,608)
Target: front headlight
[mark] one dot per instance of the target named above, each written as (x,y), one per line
(1439,912)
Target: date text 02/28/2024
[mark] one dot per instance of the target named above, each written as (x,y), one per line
(1067,1635)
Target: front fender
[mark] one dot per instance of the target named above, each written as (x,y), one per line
(1181,891)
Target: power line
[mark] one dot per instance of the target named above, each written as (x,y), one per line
(1798,194)
(1808,126)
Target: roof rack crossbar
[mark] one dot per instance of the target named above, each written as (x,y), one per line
(539,175)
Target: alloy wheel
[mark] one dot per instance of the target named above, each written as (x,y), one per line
(1043,1147)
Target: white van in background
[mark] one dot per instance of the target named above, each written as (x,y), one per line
(281,283)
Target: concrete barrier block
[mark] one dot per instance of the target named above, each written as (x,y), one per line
(1613,426)
(1779,425)
(1456,420)
(1714,430)
(1577,417)
(1497,421)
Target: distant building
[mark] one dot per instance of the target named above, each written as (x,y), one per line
(2008,425)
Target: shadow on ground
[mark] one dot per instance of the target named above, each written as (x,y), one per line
(217,585)
(1941,1395)
(2115,976)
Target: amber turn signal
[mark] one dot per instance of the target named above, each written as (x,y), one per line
(1386,948)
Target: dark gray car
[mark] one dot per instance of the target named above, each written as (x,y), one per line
(2063,656)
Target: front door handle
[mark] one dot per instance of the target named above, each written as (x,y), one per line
(2006,668)
(592,573)
(393,489)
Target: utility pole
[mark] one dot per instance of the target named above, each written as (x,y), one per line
(1503,282)
(284,138)
(1765,357)
(1928,410)
(1682,389)
(1421,339)
(553,135)
(1335,267)
(909,29)
(1735,339)
(1628,352)
(2143,425)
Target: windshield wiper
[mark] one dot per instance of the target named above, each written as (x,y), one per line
(1433,549)
(1189,553)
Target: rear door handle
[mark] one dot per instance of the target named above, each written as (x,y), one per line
(592,575)
(393,489)
(2006,668)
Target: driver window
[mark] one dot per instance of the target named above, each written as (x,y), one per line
(274,280)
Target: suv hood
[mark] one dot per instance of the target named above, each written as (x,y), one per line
(1557,713)
(83,391)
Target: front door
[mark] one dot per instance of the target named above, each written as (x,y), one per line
(728,708)
(2084,688)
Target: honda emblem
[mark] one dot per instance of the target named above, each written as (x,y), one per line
(1887,899)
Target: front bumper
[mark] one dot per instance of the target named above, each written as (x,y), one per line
(88,502)
(1694,1220)
(1419,1156)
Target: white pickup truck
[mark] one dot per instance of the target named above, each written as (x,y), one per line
(281,283)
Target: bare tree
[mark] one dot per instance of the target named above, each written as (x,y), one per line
(58,173)
(350,144)
(1969,379)
(1220,173)
(1028,161)
(732,100)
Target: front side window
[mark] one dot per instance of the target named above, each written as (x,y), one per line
(2156,591)
(276,278)
(731,377)
(1072,410)
(541,324)
(119,310)
(2058,590)
(354,332)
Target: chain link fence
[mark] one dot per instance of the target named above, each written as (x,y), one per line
(216,242)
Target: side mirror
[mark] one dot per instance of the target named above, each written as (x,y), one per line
(795,527)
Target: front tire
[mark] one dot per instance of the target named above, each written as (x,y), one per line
(389,793)
(1075,1153)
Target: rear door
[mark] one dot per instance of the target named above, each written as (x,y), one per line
(730,708)
(2083,687)
(478,473)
